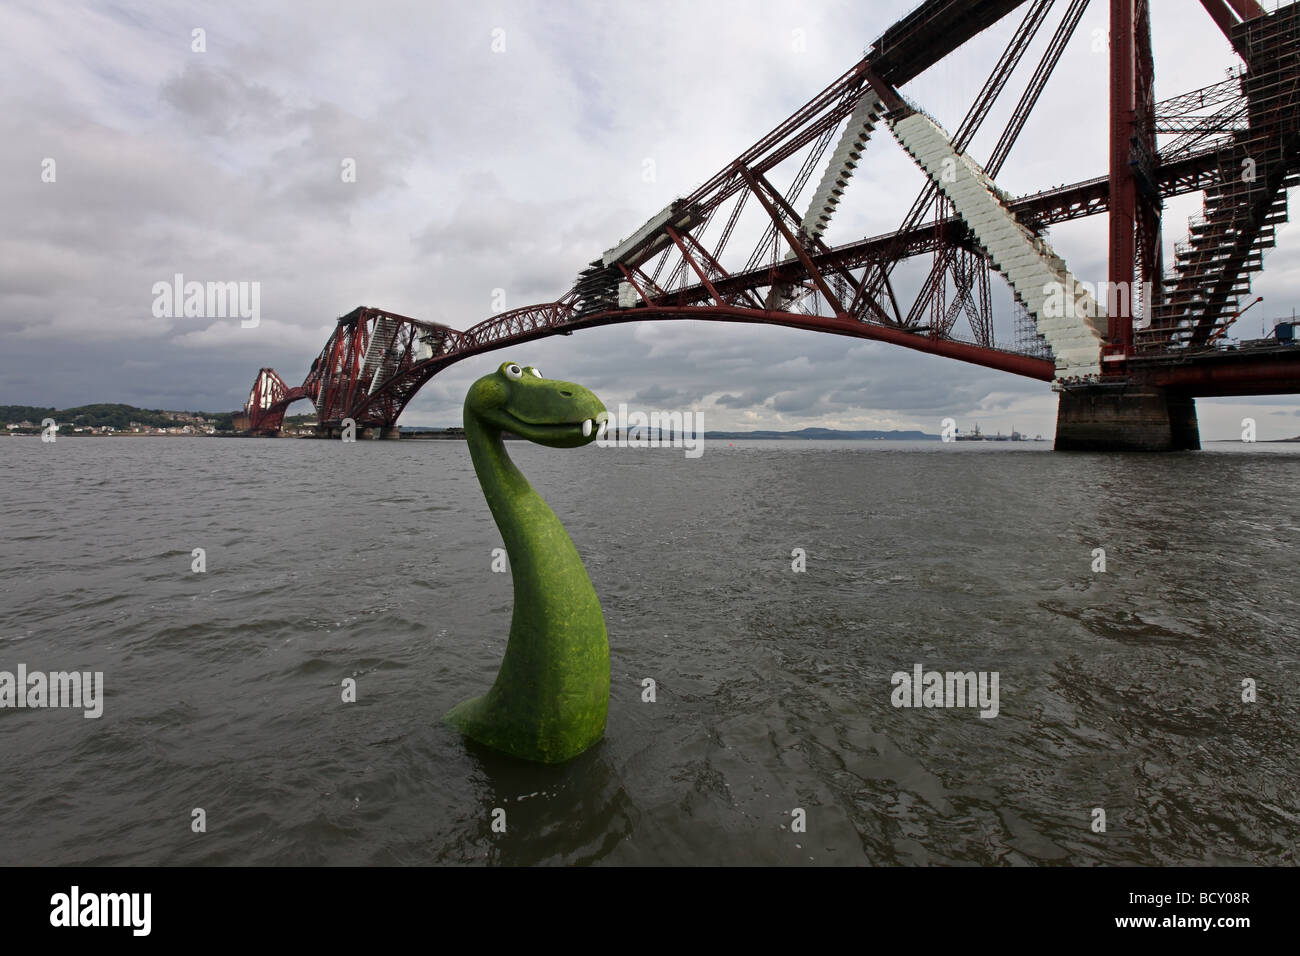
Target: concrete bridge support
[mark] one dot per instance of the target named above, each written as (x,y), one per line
(366,433)
(1125,417)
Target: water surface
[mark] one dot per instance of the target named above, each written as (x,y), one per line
(1118,690)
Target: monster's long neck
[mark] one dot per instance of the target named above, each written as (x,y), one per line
(550,697)
(540,549)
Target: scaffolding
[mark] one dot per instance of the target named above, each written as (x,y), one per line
(1257,159)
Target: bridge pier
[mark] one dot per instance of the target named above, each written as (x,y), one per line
(379,433)
(366,433)
(1125,417)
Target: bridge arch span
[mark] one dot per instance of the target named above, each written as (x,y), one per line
(528,325)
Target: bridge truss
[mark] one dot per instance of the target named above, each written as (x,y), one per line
(749,246)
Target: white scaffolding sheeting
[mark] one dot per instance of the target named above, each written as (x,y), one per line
(1038,275)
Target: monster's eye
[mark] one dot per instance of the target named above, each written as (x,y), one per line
(535,372)
(514,372)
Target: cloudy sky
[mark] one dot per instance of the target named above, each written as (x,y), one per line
(480,169)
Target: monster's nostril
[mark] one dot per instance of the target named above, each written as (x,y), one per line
(567,394)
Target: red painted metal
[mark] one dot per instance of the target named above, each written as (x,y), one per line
(686,254)
(1135,230)
(1229,14)
(1148,236)
(1247,9)
(1123,184)
(1222,15)
(536,322)
(795,245)
(1223,372)
(269,398)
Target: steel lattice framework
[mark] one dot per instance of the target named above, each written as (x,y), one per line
(673,267)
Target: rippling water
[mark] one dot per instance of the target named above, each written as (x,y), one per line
(1119,691)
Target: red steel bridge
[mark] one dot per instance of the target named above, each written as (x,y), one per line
(1128,359)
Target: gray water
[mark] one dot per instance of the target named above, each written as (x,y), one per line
(372,561)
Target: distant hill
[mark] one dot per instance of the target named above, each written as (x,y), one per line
(117,415)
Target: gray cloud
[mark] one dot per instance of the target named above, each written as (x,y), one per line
(217,101)
(751,399)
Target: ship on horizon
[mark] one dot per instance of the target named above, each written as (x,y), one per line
(977,435)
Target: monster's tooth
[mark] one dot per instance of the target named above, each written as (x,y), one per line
(603,425)
(586,428)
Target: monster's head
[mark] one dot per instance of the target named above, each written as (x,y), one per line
(516,398)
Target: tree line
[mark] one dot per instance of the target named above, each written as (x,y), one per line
(115,415)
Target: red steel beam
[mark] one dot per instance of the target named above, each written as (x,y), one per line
(1123,186)
(1042,369)
(1149,238)
(795,245)
(555,322)
(1229,373)
(1226,19)
(690,259)
(1247,9)
(1221,15)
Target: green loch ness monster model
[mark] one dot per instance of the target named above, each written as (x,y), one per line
(550,697)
